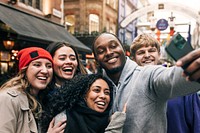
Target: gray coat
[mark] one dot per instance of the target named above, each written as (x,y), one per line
(146,91)
(15,114)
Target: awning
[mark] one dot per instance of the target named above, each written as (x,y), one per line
(29,26)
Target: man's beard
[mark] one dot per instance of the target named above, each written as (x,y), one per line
(114,70)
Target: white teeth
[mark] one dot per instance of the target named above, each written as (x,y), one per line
(147,61)
(101,103)
(112,60)
(42,78)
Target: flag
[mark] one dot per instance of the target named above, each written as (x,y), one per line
(189,35)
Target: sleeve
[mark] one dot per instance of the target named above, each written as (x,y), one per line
(8,114)
(196,113)
(117,122)
(169,83)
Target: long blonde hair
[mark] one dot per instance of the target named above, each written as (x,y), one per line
(23,84)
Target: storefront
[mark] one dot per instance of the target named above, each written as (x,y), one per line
(19,29)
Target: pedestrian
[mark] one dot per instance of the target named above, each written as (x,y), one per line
(19,97)
(86,101)
(145,89)
(66,65)
(183,113)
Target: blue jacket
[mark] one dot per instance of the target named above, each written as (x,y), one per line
(183,114)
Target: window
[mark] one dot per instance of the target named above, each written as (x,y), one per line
(93,23)
(70,23)
(112,3)
(30,2)
(23,1)
(37,4)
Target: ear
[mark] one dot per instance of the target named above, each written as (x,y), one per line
(132,57)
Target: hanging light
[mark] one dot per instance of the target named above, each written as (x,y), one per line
(8,44)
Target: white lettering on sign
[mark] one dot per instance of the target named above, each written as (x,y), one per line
(57,13)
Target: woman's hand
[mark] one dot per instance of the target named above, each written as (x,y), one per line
(58,128)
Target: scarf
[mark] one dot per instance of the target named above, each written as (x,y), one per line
(82,119)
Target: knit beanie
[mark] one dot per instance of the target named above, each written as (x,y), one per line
(27,55)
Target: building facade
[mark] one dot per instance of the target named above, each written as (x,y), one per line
(89,16)
(26,23)
(85,19)
(126,7)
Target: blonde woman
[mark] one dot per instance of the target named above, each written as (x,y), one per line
(19,106)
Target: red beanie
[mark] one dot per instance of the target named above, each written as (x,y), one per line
(27,55)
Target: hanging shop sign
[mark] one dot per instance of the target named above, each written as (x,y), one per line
(162,24)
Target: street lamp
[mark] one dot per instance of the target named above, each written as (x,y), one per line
(8,44)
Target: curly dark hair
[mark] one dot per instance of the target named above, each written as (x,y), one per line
(71,93)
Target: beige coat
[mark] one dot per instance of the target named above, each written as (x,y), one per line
(15,114)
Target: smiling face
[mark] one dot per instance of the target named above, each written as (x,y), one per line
(109,53)
(147,56)
(65,64)
(98,96)
(39,74)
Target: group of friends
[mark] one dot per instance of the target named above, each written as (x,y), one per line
(53,92)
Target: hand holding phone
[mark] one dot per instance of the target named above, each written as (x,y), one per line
(178,47)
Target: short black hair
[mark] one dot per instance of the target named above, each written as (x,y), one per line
(99,36)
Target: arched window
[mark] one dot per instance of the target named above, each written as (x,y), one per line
(69,23)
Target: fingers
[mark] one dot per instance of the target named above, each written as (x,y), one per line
(189,58)
(194,76)
(51,125)
(124,108)
(62,131)
(191,65)
(61,128)
(63,121)
(58,128)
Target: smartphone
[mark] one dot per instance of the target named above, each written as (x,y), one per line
(178,47)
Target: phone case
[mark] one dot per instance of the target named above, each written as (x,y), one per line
(178,47)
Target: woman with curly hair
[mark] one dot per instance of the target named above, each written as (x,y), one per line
(86,101)
(19,106)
